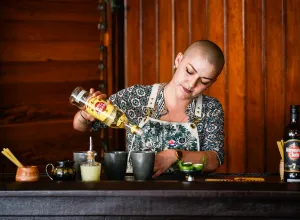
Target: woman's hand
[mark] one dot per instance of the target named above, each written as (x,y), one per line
(98,95)
(163,160)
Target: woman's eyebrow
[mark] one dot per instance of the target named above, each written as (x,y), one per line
(193,67)
(197,72)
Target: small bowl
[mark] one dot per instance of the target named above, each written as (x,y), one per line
(27,174)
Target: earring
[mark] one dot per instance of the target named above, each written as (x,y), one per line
(174,66)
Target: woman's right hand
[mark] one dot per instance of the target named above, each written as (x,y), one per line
(98,95)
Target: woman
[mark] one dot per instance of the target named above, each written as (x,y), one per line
(179,122)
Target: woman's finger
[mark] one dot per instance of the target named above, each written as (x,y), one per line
(92,90)
(157,173)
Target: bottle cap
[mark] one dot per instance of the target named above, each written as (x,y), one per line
(295,109)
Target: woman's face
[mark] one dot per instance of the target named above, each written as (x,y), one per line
(193,75)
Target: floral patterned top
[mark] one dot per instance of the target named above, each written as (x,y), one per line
(210,127)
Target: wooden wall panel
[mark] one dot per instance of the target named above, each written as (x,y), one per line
(198,20)
(182,29)
(259,80)
(48,48)
(292,58)
(236,86)
(48,31)
(149,42)
(215,19)
(165,51)
(274,105)
(35,72)
(49,10)
(45,51)
(255,86)
(133,47)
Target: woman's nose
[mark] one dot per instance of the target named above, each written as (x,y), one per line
(193,82)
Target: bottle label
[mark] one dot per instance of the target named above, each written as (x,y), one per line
(99,108)
(292,155)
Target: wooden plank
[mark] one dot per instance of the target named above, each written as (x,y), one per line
(48,31)
(198,17)
(133,50)
(198,22)
(236,88)
(165,58)
(292,58)
(42,143)
(215,33)
(274,108)
(49,10)
(22,113)
(255,87)
(149,42)
(16,94)
(56,71)
(182,24)
(45,51)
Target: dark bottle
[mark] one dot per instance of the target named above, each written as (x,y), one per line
(292,146)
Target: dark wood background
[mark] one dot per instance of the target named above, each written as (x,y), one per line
(260,79)
(49,47)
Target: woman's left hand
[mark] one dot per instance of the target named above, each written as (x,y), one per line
(163,160)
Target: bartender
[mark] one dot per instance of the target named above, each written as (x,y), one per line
(179,122)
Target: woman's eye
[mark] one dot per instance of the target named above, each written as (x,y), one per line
(204,83)
(188,71)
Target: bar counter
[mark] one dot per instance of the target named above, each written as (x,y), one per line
(165,198)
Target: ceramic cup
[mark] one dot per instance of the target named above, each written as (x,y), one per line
(27,174)
(115,163)
(142,164)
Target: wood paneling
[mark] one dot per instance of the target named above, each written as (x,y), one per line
(48,48)
(259,80)
(274,105)
(236,87)
(182,30)
(48,31)
(49,10)
(133,47)
(292,54)
(165,40)
(254,87)
(45,51)
(215,19)
(51,72)
(149,42)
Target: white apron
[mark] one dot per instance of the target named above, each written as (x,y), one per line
(161,135)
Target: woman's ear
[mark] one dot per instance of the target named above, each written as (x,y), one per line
(178,59)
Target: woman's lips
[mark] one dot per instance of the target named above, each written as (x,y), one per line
(186,90)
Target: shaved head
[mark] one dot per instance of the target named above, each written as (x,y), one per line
(209,51)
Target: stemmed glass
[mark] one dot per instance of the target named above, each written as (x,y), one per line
(190,169)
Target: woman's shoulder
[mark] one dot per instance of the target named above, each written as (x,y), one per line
(140,90)
(212,102)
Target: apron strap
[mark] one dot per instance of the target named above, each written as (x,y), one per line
(153,96)
(198,109)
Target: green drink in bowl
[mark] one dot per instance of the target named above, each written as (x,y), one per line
(190,169)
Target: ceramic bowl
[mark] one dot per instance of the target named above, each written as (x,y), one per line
(27,174)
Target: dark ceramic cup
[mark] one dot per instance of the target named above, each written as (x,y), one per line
(115,163)
(142,164)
